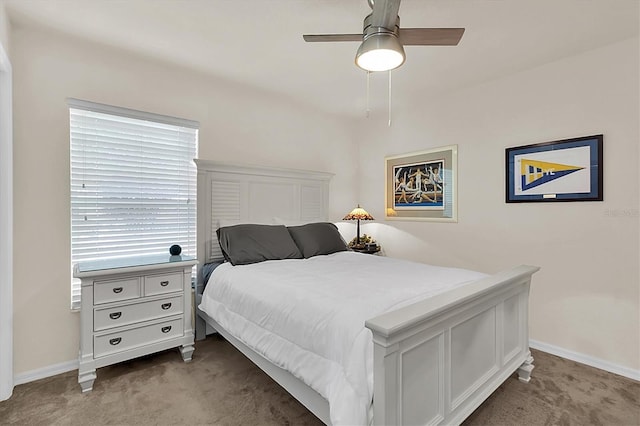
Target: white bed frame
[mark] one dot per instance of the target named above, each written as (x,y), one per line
(434,361)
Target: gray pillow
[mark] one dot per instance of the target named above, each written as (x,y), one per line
(317,238)
(250,243)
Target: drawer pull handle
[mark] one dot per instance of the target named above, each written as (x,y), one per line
(165,306)
(166,329)
(115,315)
(117,290)
(115,341)
(164,283)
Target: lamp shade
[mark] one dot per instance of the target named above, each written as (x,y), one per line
(358,214)
(380,52)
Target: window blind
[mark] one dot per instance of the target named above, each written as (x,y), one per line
(133,184)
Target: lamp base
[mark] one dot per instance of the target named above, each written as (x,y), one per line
(361,242)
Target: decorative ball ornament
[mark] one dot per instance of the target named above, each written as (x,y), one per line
(175,250)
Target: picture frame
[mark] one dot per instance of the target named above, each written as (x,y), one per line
(556,171)
(422,185)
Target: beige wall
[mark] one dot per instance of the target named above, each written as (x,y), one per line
(237,125)
(585,298)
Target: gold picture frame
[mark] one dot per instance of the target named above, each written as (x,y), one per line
(422,185)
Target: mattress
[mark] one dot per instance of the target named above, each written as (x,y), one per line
(307,316)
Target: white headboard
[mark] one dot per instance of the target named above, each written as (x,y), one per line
(255,194)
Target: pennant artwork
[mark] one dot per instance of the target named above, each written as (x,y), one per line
(566,170)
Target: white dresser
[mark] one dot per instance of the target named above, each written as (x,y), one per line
(133,307)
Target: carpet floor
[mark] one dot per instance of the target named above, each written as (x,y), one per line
(222,387)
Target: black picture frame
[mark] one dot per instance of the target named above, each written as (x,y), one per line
(556,171)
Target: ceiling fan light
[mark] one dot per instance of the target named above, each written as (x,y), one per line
(380,52)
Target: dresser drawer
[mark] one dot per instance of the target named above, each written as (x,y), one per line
(113,291)
(121,341)
(105,318)
(160,284)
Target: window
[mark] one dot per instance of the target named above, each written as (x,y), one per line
(133,184)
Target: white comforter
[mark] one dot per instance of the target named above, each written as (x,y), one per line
(307,316)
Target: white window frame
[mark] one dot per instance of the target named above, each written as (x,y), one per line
(80,199)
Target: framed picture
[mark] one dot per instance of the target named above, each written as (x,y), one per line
(422,185)
(564,170)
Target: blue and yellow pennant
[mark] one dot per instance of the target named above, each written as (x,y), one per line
(534,173)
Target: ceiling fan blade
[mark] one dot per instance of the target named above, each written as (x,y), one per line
(385,13)
(332,37)
(430,36)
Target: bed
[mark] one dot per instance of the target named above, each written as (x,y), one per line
(434,358)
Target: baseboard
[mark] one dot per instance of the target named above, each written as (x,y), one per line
(586,359)
(44,372)
(52,370)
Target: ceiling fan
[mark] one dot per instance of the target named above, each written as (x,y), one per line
(383,39)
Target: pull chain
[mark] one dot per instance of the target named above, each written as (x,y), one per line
(368,110)
(389,98)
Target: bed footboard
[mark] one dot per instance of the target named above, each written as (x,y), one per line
(437,360)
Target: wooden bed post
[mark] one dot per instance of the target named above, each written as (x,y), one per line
(524,372)
(385,385)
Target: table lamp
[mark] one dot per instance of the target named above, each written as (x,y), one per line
(358,214)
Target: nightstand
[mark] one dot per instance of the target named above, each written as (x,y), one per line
(133,307)
(367,250)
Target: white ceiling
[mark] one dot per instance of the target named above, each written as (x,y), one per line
(259,42)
